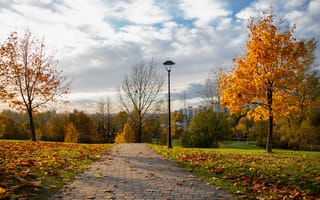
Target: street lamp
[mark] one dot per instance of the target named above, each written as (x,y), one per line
(168,64)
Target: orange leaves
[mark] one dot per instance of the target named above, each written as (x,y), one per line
(30,72)
(270,64)
(31,167)
(255,175)
(31,80)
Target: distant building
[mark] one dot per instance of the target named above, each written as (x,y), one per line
(191,111)
(188,113)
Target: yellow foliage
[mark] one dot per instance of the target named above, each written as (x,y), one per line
(71,133)
(2,191)
(264,78)
(119,138)
(39,134)
(126,136)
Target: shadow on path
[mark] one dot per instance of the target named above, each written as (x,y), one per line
(136,172)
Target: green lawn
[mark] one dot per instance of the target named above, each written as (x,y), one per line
(250,173)
(36,170)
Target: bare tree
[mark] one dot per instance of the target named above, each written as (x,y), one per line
(104,118)
(32,79)
(139,90)
(210,92)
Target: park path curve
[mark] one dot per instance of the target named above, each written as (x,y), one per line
(136,172)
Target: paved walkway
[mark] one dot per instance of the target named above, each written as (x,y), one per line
(136,172)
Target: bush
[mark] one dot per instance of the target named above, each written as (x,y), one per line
(206,129)
(71,133)
(259,132)
(127,135)
(197,140)
(296,135)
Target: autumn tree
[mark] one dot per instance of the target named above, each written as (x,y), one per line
(119,121)
(139,91)
(127,135)
(7,127)
(264,80)
(85,127)
(32,80)
(71,133)
(54,129)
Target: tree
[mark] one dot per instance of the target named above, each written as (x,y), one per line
(264,79)
(85,127)
(54,130)
(127,135)
(7,127)
(206,129)
(71,133)
(32,80)
(308,81)
(138,92)
(210,91)
(103,117)
(119,121)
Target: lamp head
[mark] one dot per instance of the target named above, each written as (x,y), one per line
(168,65)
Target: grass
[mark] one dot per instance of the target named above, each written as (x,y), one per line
(249,173)
(36,170)
(240,145)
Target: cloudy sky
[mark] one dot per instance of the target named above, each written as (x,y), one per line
(97,41)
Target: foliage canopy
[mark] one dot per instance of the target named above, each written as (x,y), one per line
(267,77)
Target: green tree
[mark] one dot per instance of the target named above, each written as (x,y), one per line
(54,130)
(85,127)
(206,129)
(8,128)
(151,128)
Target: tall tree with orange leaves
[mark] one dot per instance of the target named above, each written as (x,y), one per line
(31,79)
(264,79)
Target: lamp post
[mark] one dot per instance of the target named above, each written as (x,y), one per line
(168,64)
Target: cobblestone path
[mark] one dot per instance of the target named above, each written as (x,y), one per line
(136,172)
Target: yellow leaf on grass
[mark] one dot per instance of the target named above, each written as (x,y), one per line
(2,191)
(98,175)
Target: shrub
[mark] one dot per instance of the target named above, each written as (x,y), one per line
(127,135)
(71,133)
(206,129)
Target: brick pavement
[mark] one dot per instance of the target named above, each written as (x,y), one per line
(136,172)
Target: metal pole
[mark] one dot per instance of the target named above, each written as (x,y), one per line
(169,113)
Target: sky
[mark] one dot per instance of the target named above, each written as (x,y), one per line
(98,41)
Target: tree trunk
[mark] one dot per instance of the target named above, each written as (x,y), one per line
(108,127)
(140,129)
(270,132)
(32,127)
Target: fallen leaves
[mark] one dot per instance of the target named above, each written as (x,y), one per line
(98,175)
(29,169)
(2,192)
(253,174)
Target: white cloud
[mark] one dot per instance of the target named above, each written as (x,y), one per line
(307,20)
(205,12)
(144,12)
(97,41)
